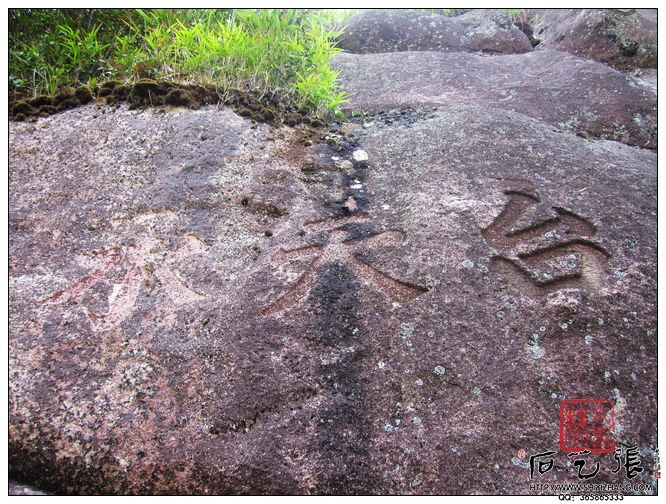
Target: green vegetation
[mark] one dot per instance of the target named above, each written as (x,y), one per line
(448,12)
(459,12)
(278,54)
(514,13)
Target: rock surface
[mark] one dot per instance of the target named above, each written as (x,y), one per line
(379,31)
(571,93)
(202,306)
(19,489)
(623,38)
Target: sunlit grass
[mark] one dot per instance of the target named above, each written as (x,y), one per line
(278,53)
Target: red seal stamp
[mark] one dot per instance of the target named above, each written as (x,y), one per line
(587,424)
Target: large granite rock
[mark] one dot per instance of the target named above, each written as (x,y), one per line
(571,93)
(379,31)
(623,38)
(19,489)
(201,306)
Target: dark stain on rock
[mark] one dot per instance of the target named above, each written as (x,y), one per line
(343,430)
(310,168)
(525,23)
(264,208)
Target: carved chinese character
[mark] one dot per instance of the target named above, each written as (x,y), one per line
(339,247)
(108,293)
(544,248)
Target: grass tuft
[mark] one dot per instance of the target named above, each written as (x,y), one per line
(278,54)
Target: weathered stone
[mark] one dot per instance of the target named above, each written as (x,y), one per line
(378,31)
(647,76)
(571,93)
(162,342)
(622,38)
(19,489)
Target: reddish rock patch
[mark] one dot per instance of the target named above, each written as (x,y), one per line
(570,93)
(379,31)
(162,342)
(622,38)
